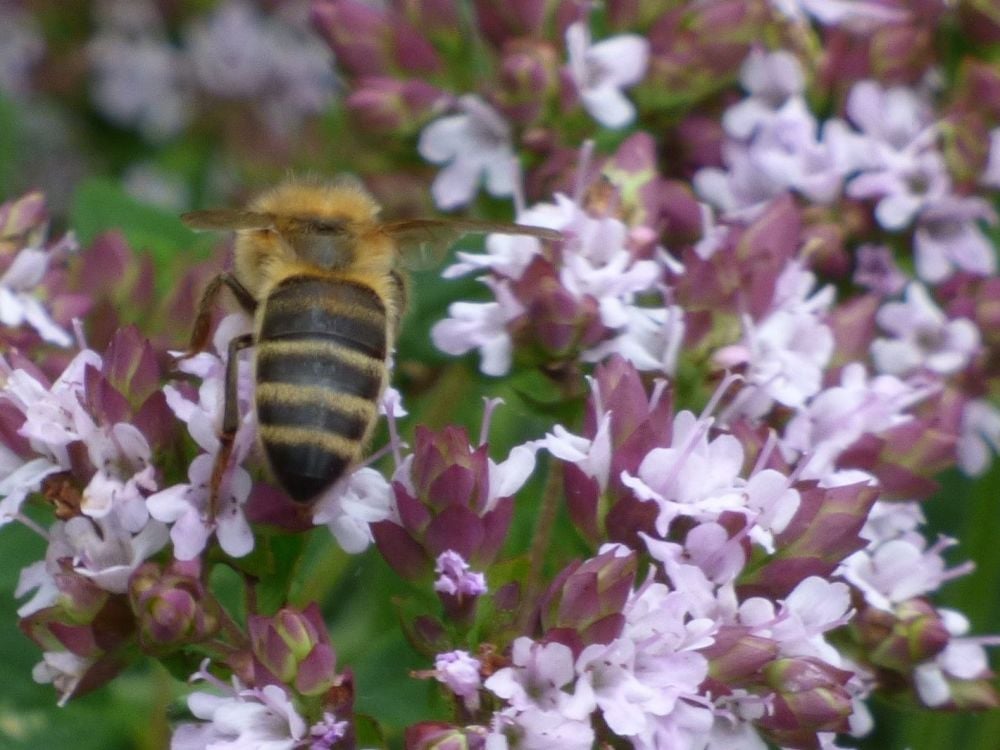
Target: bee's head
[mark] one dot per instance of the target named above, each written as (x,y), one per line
(320,221)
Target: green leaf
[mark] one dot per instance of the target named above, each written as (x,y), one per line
(100,204)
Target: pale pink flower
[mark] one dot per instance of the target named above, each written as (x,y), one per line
(195,515)
(922,337)
(472,144)
(600,72)
(189,507)
(962,659)
(837,416)
(889,573)
(538,729)
(538,677)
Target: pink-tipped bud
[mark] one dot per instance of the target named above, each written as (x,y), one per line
(171,604)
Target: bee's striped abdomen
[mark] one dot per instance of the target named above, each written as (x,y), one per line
(321,355)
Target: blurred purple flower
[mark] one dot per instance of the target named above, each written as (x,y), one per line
(600,72)
(991,174)
(877,269)
(771,79)
(460,672)
(22,46)
(980,437)
(470,144)
(456,578)
(139,81)
(948,239)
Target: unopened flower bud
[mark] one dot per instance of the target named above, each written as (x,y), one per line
(295,648)
(588,597)
(434,735)
(810,696)
(913,633)
(170,604)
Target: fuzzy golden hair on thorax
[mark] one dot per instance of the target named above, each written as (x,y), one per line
(342,198)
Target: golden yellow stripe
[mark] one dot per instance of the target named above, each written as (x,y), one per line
(328,441)
(322,348)
(314,395)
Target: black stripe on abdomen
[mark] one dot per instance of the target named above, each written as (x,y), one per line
(346,312)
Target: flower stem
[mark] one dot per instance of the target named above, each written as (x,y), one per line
(547,512)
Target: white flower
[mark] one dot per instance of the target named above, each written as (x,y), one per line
(473,143)
(17,302)
(64,670)
(349,508)
(855,15)
(787,351)
(600,72)
(103,550)
(263,719)
(483,326)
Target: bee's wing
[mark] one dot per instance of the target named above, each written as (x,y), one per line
(227,219)
(423,243)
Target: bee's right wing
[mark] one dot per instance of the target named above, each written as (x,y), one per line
(423,243)
(227,219)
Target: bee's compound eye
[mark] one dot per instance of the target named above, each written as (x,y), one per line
(333,250)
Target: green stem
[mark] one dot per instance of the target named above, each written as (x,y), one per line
(547,512)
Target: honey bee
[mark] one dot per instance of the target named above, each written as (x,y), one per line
(321,274)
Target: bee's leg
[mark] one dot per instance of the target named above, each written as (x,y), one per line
(230,417)
(400,293)
(202,323)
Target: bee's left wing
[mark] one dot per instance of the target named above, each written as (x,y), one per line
(227,219)
(423,243)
